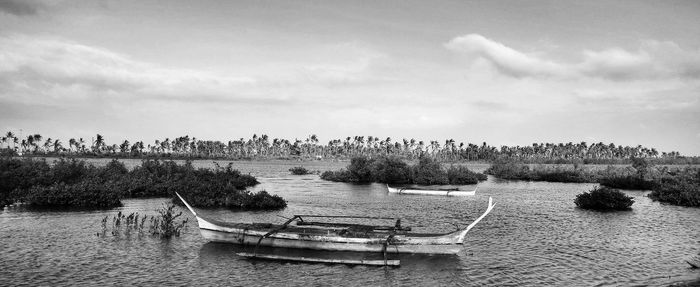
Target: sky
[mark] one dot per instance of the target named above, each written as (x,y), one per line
(501,72)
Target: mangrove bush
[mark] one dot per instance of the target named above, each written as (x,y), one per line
(604,199)
(682,188)
(393,170)
(75,183)
(299,170)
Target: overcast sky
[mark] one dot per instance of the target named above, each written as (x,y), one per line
(504,72)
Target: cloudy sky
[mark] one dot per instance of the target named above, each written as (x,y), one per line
(504,72)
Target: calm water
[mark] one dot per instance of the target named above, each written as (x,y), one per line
(535,236)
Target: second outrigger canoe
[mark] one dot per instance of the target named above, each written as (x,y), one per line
(334,236)
(443,192)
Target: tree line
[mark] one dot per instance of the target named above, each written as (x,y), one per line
(264,147)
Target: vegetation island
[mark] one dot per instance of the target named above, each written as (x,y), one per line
(27,178)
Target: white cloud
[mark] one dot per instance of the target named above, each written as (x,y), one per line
(40,69)
(47,66)
(653,60)
(507,60)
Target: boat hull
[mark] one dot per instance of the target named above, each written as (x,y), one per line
(369,246)
(337,237)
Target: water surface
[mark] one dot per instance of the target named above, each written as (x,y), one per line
(535,236)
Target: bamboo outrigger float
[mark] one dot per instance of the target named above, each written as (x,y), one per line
(443,192)
(334,236)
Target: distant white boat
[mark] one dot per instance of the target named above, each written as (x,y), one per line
(443,192)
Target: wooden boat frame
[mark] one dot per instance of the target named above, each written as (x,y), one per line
(334,236)
(441,192)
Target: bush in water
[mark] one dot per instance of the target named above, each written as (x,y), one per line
(604,199)
(461,175)
(74,183)
(299,170)
(338,176)
(393,170)
(429,172)
(232,198)
(509,170)
(626,182)
(19,174)
(84,194)
(360,169)
(682,188)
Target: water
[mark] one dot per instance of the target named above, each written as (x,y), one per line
(535,236)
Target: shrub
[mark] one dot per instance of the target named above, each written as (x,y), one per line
(560,175)
(85,194)
(604,199)
(391,170)
(509,170)
(19,174)
(459,175)
(428,172)
(626,182)
(680,188)
(338,176)
(70,171)
(360,169)
(299,170)
(155,179)
(232,198)
(74,183)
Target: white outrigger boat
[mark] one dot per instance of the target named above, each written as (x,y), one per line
(443,192)
(334,236)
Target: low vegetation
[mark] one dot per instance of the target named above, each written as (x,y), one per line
(682,188)
(393,170)
(604,199)
(299,170)
(74,183)
(625,177)
(164,225)
(673,186)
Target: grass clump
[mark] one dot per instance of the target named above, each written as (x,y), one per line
(164,225)
(299,170)
(604,199)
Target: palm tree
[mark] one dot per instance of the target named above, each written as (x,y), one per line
(9,137)
(57,146)
(72,142)
(98,144)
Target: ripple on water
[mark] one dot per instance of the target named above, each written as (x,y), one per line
(535,236)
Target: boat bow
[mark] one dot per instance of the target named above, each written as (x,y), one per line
(460,234)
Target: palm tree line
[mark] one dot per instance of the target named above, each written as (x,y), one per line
(263,147)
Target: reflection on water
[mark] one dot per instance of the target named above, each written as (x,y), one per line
(535,236)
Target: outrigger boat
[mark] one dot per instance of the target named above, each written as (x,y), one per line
(334,236)
(443,192)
